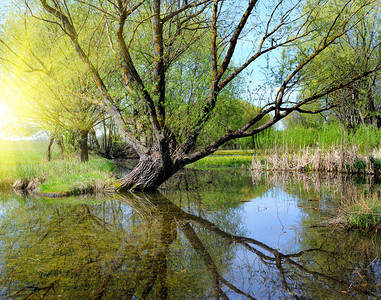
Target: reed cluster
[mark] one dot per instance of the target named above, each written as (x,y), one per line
(362,212)
(335,159)
(324,137)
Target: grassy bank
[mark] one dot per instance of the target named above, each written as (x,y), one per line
(25,161)
(223,161)
(67,177)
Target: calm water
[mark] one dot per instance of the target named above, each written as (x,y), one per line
(206,235)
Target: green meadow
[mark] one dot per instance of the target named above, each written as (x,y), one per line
(223,161)
(25,160)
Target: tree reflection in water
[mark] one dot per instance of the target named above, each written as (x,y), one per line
(143,246)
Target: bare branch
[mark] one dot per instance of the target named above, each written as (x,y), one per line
(235,37)
(184,8)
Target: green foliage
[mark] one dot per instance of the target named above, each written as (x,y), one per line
(357,50)
(44,82)
(65,107)
(359,165)
(188,84)
(231,115)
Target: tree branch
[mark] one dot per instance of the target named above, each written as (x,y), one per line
(113,110)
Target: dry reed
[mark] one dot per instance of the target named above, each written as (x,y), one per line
(342,159)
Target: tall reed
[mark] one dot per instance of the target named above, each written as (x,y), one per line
(332,150)
(324,137)
(333,160)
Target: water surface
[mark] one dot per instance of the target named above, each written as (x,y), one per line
(206,235)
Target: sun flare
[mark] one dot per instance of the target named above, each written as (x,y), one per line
(5,115)
(4,111)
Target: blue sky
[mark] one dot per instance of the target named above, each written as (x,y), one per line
(4,3)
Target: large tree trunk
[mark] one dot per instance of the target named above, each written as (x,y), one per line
(148,174)
(83,147)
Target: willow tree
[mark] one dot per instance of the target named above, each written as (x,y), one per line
(161,114)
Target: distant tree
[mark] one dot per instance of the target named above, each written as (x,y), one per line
(305,120)
(358,50)
(159,114)
(230,117)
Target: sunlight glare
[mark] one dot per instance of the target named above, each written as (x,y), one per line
(4,111)
(4,117)
(9,99)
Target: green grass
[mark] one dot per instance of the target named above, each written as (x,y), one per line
(223,161)
(21,159)
(234,152)
(362,212)
(26,160)
(76,178)
(365,138)
(365,217)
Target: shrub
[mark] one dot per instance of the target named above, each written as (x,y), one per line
(359,165)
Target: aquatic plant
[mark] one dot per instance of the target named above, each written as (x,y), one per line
(363,212)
